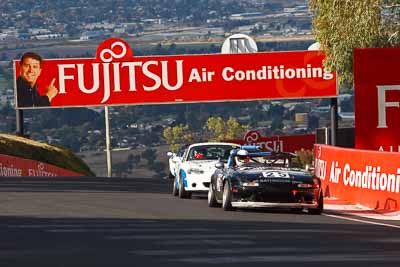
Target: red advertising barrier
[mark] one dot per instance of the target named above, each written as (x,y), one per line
(288,143)
(365,177)
(12,166)
(377,98)
(115,77)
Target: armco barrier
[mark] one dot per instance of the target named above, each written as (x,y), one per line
(364,177)
(14,166)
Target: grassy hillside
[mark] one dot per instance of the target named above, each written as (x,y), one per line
(28,149)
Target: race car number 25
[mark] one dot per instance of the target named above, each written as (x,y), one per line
(271,174)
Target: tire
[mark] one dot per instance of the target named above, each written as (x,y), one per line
(212,200)
(182,193)
(320,207)
(227,197)
(174,189)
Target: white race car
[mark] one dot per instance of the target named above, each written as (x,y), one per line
(174,159)
(193,172)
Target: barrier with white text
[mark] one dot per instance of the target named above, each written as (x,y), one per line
(365,177)
(15,167)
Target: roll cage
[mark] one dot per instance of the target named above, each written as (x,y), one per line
(264,158)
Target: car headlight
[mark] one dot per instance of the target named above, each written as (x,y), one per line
(195,171)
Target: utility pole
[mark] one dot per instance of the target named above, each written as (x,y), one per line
(108,143)
(334,120)
(19,117)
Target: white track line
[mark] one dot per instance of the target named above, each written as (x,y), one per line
(358,220)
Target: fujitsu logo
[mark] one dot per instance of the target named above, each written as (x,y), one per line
(383,104)
(119,70)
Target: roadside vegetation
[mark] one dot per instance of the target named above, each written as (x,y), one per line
(215,129)
(341,26)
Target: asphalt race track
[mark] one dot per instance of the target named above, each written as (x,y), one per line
(137,222)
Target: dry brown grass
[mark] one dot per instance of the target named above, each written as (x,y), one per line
(17,146)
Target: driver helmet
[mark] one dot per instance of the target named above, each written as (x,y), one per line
(198,154)
(242,157)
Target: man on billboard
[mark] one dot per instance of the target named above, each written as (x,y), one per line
(27,91)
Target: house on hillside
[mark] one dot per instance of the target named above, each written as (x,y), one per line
(93,35)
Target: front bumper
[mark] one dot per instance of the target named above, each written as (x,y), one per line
(250,204)
(285,196)
(195,182)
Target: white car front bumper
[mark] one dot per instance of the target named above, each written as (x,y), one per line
(197,182)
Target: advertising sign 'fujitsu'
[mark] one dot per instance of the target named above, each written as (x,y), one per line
(377,98)
(117,77)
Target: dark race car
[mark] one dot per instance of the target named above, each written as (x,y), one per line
(258,179)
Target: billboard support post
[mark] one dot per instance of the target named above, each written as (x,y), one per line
(326,136)
(19,116)
(108,143)
(334,120)
(334,104)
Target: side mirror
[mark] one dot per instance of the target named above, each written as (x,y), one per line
(309,168)
(170,154)
(219,165)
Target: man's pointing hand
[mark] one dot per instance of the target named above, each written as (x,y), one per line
(52,91)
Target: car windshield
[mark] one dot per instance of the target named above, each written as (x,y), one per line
(257,161)
(210,152)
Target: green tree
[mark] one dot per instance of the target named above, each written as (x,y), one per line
(234,129)
(342,25)
(218,129)
(177,135)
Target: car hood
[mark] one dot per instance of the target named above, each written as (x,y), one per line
(205,165)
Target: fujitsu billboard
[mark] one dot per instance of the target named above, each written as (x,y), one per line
(117,77)
(284,143)
(377,98)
